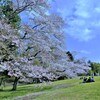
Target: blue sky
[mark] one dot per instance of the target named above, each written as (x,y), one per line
(83,26)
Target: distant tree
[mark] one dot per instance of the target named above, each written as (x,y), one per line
(95,67)
(91,65)
(69,54)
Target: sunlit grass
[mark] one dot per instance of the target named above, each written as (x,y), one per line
(87,91)
(6,94)
(70,89)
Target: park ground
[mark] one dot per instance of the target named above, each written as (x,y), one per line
(69,89)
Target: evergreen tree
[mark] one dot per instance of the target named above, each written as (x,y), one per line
(71,58)
(8,13)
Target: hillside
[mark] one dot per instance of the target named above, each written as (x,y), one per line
(71,89)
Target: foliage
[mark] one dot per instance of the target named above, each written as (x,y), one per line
(36,49)
(71,58)
(8,45)
(95,67)
(8,13)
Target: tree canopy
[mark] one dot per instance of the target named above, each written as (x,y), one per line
(34,49)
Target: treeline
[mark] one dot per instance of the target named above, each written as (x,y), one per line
(95,68)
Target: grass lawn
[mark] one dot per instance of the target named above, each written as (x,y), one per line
(70,89)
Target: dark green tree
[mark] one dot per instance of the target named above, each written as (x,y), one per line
(7,12)
(95,67)
(8,48)
(71,58)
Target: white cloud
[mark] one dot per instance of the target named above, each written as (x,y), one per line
(83,14)
(85,52)
(97,9)
(80,34)
(82,18)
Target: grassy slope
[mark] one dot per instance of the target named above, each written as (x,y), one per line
(59,90)
(88,91)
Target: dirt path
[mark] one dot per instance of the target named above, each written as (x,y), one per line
(33,96)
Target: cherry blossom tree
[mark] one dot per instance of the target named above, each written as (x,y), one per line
(10,41)
(36,49)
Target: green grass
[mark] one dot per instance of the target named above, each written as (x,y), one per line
(6,94)
(70,89)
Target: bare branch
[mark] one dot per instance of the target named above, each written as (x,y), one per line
(24,35)
(37,53)
(36,26)
(22,8)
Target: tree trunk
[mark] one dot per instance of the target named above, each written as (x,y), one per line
(1,81)
(15,83)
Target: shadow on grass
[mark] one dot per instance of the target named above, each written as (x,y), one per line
(6,93)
